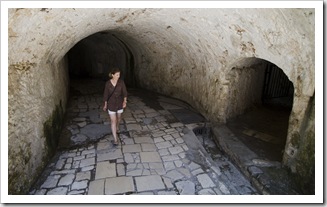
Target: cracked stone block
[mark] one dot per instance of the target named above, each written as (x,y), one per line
(205,181)
(254,171)
(185,187)
(66,180)
(174,175)
(58,191)
(83,176)
(51,182)
(147,183)
(77,185)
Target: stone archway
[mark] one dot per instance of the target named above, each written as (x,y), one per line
(259,106)
(94,56)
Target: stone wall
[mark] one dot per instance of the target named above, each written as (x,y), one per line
(37,97)
(245,89)
(185,53)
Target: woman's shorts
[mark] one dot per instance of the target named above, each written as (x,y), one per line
(114,112)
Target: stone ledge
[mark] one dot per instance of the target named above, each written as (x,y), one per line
(241,155)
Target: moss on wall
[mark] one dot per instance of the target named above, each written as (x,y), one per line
(306,157)
(17,186)
(295,140)
(52,129)
(306,165)
(14,187)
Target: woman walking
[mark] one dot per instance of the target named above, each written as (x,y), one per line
(115,100)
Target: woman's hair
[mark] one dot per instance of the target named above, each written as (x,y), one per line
(113,71)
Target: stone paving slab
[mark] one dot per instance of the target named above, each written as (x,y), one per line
(148,147)
(111,155)
(132,148)
(105,170)
(185,187)
(147,183)
(119,185)
(205,181)
(96,187)
(150,157)
(136,127)
(142,140)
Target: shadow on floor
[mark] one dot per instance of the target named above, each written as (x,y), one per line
(263,130)
(255,141)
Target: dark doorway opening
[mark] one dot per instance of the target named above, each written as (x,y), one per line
(261,123)
(94,56)
(277,89)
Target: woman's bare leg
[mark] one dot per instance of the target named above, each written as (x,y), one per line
(118,121)
(113,119)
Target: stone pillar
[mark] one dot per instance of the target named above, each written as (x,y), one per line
(299,153)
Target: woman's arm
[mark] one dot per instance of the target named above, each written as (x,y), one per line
(105,97)
(124,90)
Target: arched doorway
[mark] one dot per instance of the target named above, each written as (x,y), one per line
(94,56)
(259,105)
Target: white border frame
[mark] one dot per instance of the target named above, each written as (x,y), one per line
(271,199)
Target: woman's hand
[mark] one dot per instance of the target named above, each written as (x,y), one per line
(105,106)
(124,104)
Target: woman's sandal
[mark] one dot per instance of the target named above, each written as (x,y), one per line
(114,143)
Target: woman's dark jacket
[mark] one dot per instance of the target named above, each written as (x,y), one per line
(115,101)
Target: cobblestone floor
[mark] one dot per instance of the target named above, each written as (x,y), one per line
(158,153)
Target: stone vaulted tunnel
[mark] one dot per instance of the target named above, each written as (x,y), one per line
(220,61)
(254,82)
